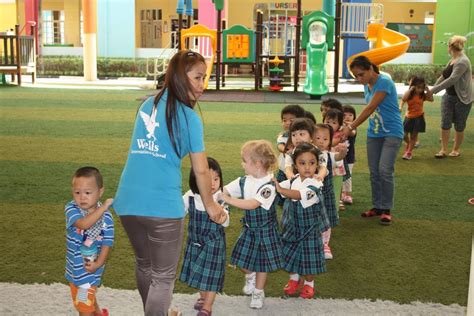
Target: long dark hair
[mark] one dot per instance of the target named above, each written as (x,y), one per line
(416,81)
(364,63)
(178,86)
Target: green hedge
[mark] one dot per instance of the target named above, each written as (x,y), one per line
(403,72)
(129,67)
(106,67)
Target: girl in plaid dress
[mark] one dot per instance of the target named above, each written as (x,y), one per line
(323,140)
(306,220)
(258,248)
(204,259)
(302,130)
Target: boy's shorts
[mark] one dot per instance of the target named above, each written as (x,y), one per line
(83,299)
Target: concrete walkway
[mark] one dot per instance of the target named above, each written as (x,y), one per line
(350,92)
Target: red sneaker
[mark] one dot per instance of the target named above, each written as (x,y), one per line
(292,286)
(307,292)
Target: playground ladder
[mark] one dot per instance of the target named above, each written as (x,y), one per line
(356,16)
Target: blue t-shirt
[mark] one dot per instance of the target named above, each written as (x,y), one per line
(386,119)
(150,184)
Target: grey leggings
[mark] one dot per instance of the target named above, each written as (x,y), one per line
(381,156)
(157,244)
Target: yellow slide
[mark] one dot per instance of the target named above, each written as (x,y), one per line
(200,30)
(388,44)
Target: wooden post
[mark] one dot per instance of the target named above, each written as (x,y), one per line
(18,53)
(297,48)
(33,35)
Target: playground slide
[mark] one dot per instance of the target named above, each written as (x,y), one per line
(388,44)
(198,31)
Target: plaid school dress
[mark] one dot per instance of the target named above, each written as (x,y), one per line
(328,195)
(302,242)
(204,258)
(259,246)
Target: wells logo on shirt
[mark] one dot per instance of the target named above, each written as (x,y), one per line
(150,124)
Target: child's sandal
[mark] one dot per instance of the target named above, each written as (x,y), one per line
(199,304)
(204,312)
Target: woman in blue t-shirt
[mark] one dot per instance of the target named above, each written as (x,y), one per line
(149,196)
(384,135)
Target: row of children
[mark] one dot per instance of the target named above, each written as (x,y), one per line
(301,247)
(304,182)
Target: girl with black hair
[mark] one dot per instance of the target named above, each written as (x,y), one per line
(414,121)
(303,248)
(204,258)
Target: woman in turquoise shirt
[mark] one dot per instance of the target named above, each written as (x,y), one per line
(384,135)
(149,196)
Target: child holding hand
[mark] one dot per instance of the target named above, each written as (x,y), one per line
(302,130)
(89,237)
(323,140)
(303,247)
(258,248)
(349,117)
(288,114)
(414,122)
(204,258)
(334,118)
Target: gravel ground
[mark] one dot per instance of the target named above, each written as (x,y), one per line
(40,299)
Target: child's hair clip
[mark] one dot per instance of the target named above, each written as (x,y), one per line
(190,53)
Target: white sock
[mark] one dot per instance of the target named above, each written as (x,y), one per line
(258,291)
(295,277)
(309,283)
(250,275)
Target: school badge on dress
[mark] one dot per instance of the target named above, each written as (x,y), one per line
(266,192)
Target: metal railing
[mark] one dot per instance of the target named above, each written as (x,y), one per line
(356,16)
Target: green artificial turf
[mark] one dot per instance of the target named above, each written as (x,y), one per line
(46,134)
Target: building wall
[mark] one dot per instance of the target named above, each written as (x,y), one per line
(399,12)
(116,28)
(8,17)
(168,11)
(72,16)
(453,17)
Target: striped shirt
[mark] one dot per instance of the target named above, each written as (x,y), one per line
(75,271)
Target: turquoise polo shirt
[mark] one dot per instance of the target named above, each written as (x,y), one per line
(386,119)
(150,184)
